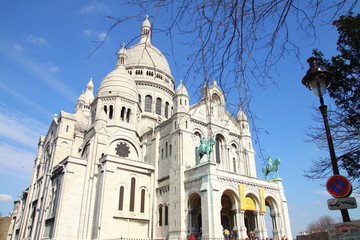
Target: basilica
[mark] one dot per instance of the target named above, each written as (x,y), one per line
(137,160)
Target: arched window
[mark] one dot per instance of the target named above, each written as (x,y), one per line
(166,215)
(142,204)
(128,115)
(148,103)
(160,215)
(122,115)
(166,109)
(158,106)
(166,149)
(111,111)
(121,198)
(234,165)
(139,99)
(218,146)
(170,150)
(132,194)
(105,109)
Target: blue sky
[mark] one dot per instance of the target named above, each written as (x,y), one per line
(45,65)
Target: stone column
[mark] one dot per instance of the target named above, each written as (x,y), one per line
(241,224)
(257,228)
(211,204)
(275,227)
(278,226)
(262,226)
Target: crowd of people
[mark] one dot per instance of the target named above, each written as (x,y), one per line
(229,235)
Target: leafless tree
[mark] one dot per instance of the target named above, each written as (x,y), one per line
(320,224)
(236,42)
(345,139)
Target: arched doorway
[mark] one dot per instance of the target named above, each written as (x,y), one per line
(194,213)
(228,213)
(271,215)
(250,216)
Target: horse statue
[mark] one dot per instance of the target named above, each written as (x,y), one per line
(205,147)
(272,166)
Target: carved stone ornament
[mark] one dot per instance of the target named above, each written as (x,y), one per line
(122,150)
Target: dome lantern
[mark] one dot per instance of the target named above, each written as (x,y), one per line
(146,31)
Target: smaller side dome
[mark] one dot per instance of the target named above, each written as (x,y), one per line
(181,90)
(81,98)
(119,80)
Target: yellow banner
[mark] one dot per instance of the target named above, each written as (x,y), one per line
(250,204)
(242,197)
(262,200)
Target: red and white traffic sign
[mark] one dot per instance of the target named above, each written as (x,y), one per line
(338,186)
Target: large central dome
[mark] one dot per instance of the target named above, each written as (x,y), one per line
(146,62)
(147,55)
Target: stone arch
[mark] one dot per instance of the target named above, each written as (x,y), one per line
(160,214)
(229,206)
(197,133)
(123,147)
(143,191)
(273,208)
(234,158)
(252,205)
(220,152)
(194,217)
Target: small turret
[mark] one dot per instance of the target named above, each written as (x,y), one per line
(181,99)
(121,57)
(146,31)
(243,122)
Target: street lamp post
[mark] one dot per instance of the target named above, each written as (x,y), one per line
(316,79)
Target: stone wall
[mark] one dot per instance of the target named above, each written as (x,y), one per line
(4,227)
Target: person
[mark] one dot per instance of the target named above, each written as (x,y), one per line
(226,233)
(235,235)
(192,237)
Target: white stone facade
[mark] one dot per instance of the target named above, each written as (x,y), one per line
(123,165)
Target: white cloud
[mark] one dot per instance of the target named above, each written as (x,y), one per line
(321,192)
(92,33)
(17,161)
(88,32)
(40,71)
(20,128)
(305,215)
(36,40)
(95,7)
(18,47)
(25,101)
(5,198)
(101,36)
(52,67)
